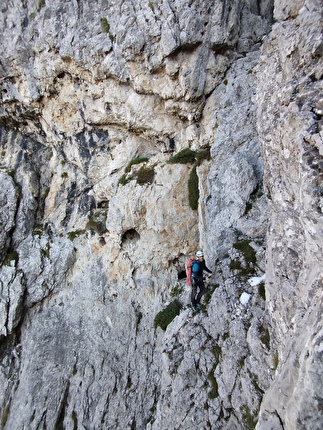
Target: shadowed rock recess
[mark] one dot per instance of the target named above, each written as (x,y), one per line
(133,133)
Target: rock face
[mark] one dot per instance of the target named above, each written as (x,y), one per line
(133,133)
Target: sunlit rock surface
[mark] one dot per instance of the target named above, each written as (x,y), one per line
(97,222)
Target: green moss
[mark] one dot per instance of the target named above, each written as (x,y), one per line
(129,383)
(183,157)
(248,252)
(143,176)
(64,175)
(249,256)
(11,256)
(202,155)
(137,160)
(217,351)
(275,360)
(124,179)
(235,265)
(175,291)
(74,419)
(248,418)
(241,362)
(193,189)
(105,26)
(166,316)
(74,234)
(248,207)
(262,290)
(226,336)
(151,6)
(214,393)
(209,292)
(38,230)
(41,4)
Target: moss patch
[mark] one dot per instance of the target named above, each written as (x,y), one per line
(105,26)
(145,175)
(193,189)
(185,156)
(166,316)
(248,252)
(214,393)
(74,234)
(12,256)
(248,418)
(262,290)
(248,266)
(134,161)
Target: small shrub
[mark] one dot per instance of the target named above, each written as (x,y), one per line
(184,157)
(145,176)
(193,189)
(166,316)
(64,175)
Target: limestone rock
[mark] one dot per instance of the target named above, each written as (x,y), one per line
(97,100)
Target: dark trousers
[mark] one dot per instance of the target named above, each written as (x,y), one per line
(198,289)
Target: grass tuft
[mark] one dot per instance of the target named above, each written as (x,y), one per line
(166,316)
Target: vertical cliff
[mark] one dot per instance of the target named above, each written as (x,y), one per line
(133,133)
(289,99)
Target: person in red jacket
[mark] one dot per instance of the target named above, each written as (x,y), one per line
(199,269)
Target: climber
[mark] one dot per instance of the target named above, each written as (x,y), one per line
(197,280)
